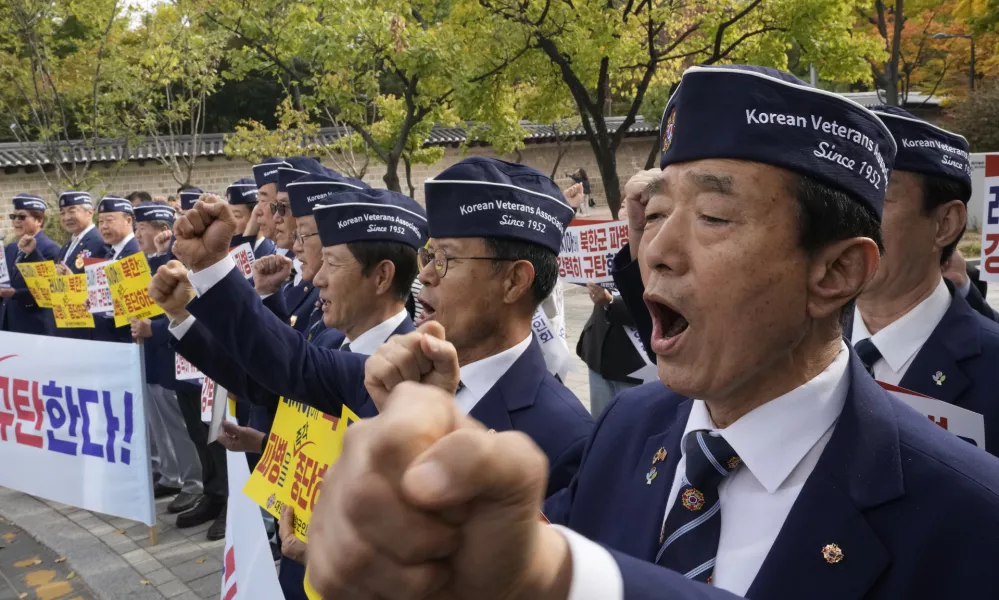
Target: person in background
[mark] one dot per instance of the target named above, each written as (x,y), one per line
(242,197)
(606,349)
(967,280)
(114,221)
(173,202)
(139,197)
(265,175)
(76,214)
(19,313)
(579,176)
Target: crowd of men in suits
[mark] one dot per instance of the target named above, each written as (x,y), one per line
(792,248)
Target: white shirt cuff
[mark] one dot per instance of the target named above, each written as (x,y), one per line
(595,574)
(204,280)
(180,329)
(964,289)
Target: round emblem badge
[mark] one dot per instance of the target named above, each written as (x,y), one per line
(670,127)
(692,499)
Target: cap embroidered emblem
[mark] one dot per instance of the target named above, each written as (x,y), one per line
(692,499)
(670,126)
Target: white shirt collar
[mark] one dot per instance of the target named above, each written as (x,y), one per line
(368,342)
(120,245)
(772,439)
(901,340)
(480,376)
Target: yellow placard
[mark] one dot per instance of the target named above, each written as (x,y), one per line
(69,301)
(129,280)
(303,443)
(36,277)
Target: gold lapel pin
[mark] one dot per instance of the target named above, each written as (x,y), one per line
(832,553)
(659,456)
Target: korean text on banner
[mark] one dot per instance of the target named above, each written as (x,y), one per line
(69,301)
(184,370)
(73,410)
(129,280)
(303,443)
(207,399)
(587,250)
(98,290)
(4,274)
(36,276)
(242,255)
(553,347)
(965,424)
(990,220)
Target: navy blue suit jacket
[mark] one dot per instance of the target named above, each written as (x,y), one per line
(104,329)
(977,301)
(914,508)
(91,246)
(527,398)
(20,313)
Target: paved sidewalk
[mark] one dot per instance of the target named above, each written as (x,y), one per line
(28,569)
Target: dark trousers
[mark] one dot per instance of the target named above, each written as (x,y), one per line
(215,476)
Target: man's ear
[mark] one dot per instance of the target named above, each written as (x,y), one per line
(951,217)
(384,274)
(839,273)
(519,281)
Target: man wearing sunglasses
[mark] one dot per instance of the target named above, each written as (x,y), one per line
(18,311)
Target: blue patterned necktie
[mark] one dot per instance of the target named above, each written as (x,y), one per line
(689,537)
(868,354)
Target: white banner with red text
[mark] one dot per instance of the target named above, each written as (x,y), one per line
(587,250)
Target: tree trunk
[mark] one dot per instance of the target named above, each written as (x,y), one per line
(409,178)
(391,177)
(653,160)
(607,163)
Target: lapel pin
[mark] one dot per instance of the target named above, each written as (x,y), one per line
(650,476)
(939,377)
(734,462)
(832,554)
(659,456)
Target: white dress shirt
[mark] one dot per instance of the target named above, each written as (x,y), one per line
(480,376)
(779,444)
(76,241)
(296,264)
(368,342)
(900,342)
(121,245)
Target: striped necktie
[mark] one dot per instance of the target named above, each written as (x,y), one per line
(868,354)
(690,533)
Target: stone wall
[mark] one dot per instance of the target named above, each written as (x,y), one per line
(214,174)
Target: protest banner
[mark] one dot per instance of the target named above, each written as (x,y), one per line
(648,372)
(4,273)
(247,565)
(73,424)
(184,370)
(303,443)
(990,220)
(242,255)
(965,424)
(36,276)
(587,250)
(129,280)
(98,290)
(553,347)
(69,301)
(207,399)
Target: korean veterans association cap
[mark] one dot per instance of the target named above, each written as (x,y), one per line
(71,198)
(764,115)
(309,190)
(154,212)
(487,197)
(266,172)
(115,204)
(189,197)
(296,167)
(242,191)
(370,216)
(24,201)
(927,149)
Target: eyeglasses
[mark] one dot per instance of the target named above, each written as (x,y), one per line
(17,217)
(441,259)
(301,238)
(279,209)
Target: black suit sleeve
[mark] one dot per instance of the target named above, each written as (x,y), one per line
(628,280)
(977,302)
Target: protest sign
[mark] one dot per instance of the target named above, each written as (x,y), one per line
(990,220)
(965,424)
(242,255)
(247,565)
(184,370)
(98,290)
(36,276)
(553,347)
(303,443)
(73,424)
(207,399)
(69,301)
(129,280)
(587,250)
(4,273)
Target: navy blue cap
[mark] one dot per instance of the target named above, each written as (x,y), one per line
(154,211)
(24,201)
(487,197)
(370,216)
(309,190)
(189,197)
(242,191)
(927,149)
(266,171)
(71,198)
(111,204)
(297,167)
(764,115)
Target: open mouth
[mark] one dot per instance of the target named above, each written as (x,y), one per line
(429,312)
(668,326)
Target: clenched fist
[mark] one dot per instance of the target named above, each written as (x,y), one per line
(162,241)
(172,290)
(141,328)
(574,195)
(634,203)
(269,272)
(422,356)
(204,232)
(27,244)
